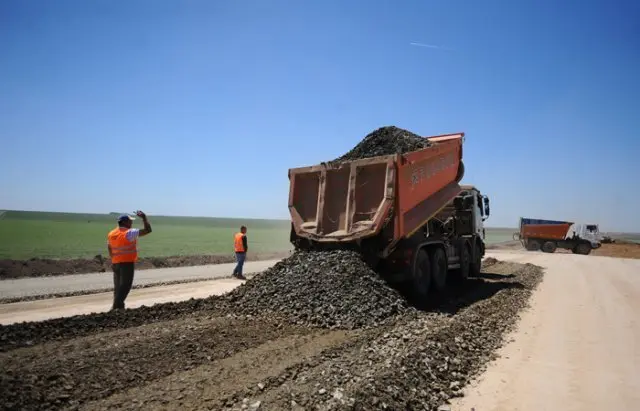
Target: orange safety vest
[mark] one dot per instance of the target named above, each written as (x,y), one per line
(123,250)
(238,245)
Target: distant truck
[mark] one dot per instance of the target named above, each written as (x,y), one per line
(406,212)
(549,235)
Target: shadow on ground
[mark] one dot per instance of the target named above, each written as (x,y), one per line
(459,296)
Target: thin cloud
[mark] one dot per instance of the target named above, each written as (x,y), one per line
(429,46)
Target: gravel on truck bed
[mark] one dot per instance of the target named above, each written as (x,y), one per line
(385,141)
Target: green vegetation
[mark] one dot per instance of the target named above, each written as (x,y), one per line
(25,235)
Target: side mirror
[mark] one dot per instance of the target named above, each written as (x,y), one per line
(487,209)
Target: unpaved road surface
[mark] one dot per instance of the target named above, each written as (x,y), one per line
(26,287)
(45,309)
(577,348)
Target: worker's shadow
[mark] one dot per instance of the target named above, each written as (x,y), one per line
(475,289)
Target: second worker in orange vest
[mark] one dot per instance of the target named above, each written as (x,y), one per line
(122,243)
(240,247)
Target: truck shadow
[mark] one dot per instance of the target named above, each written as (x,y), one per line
(475,289)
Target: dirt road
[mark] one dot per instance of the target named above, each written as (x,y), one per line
(577,348)
(98,281)
(45,309)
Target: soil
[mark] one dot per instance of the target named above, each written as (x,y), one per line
(207,354)
(42,267)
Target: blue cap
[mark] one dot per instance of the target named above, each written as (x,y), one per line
(125,217)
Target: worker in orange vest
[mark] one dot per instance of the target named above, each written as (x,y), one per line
(240,247)
(122,244)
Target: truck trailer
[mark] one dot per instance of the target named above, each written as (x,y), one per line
(549,235)
(405,213)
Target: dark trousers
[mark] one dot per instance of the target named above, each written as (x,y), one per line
(240,257)
(122,282)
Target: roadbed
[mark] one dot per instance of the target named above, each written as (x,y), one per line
(198,355)
(72,285)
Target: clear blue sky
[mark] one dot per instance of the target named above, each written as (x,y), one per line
(200,107)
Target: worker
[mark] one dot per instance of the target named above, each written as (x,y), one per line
(122,244)
(240,246)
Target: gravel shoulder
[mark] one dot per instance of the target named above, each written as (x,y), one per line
(576,347)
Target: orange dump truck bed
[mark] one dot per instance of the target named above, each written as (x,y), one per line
(356,199)
(545,231)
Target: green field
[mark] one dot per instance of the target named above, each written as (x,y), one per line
(25,235)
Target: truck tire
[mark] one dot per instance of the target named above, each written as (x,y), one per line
(476,261)
(533,245)
(438,268)
(421,277)
(549,247)
(582,249)
(461,274)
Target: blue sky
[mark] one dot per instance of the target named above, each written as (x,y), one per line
(200,107)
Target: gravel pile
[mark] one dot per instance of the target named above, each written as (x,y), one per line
(385,141)
(331,289)
(421,361)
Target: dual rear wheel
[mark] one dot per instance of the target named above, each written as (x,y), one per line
(430,270)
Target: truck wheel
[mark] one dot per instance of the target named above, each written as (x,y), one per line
(421,277)
(582,249)
(462,274)
(476,262)
(438,268)
(533,245)
(549,247)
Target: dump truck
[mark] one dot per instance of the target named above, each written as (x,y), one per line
(405,213)
(549,235)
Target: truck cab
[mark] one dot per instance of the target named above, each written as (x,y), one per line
(588,232)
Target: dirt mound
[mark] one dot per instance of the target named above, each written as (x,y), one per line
(384,141)
(43,267)
(333,289)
